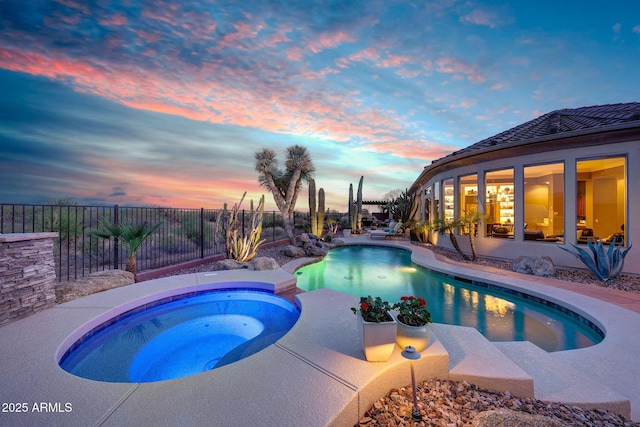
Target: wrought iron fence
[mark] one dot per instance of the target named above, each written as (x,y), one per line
(185,234)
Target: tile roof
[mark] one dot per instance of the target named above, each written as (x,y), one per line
(559,121)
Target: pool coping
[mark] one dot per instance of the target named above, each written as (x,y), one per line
(314,375)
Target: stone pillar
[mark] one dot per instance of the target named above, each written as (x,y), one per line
(27,274)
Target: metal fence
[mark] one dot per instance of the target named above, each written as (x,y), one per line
(185,234)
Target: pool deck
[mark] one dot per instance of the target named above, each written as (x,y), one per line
(316,374)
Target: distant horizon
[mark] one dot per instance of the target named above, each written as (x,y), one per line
(165,103)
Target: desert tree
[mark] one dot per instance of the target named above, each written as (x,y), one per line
(285,183)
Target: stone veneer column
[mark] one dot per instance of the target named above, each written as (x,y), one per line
(27,274)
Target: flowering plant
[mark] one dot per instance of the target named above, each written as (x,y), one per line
(413,311)
(374,309)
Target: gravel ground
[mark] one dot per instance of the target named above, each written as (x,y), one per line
(455,404)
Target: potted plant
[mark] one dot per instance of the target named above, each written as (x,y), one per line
(377,328)
(413,320)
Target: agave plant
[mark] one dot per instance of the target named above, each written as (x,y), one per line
(605,265)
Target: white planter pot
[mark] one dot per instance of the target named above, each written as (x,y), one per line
(416,336)
(378,339)
(346,233)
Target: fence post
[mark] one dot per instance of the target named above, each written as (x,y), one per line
(116,254)
(201,233)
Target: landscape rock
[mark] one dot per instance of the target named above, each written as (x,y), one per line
(304,238)
(263,263)
(461,404)
(93,283)
(229,264)
(314,251)
(293,251)
(509,418)
(538,266)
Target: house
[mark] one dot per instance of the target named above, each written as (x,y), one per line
(565,177)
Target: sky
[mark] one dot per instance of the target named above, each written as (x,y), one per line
(165,103)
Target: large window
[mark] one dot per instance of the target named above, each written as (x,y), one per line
(601,200)
(449,199)
(544,202)
(436,202)
(467,197)
(500,203)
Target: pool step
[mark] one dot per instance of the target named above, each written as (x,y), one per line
(558,381)
(475,359)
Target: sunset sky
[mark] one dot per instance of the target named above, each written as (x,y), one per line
(165,102)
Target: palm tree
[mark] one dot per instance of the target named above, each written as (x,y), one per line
(448,226)
(130,234)
(467,222)
(285,184)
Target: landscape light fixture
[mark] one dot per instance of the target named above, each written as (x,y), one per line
(410,353)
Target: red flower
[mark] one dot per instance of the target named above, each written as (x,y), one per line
(422,302)
(404,298)
(364,306)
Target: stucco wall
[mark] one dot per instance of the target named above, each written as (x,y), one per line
(512,248)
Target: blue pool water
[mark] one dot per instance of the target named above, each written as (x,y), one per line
(498,315)
(181,337)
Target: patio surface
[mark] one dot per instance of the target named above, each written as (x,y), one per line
(316,374)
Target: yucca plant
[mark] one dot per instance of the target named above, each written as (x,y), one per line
(605,265)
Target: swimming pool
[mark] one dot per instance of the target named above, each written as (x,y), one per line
(497,314)
(181,336)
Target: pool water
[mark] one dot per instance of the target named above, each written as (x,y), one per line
(498,315)
(182,337)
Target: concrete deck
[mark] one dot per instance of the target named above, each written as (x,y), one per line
(315,375)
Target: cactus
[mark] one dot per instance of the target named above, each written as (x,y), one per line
(320,212)
(351,208)
(242,248)
(312,207)
(359,207)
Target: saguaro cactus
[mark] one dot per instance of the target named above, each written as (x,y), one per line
(359,206)
(320,211)
(352,222)
(313,215)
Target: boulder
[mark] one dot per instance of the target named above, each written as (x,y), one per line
(229,264)
(304,238)
(506,417)
(313,250)
(263,263)
(91,284)
(293,251)
(538,266)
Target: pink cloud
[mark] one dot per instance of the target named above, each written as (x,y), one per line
(459,66)
(114,20)
(481,17)
(394,60)
(329,40)
(412,149)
